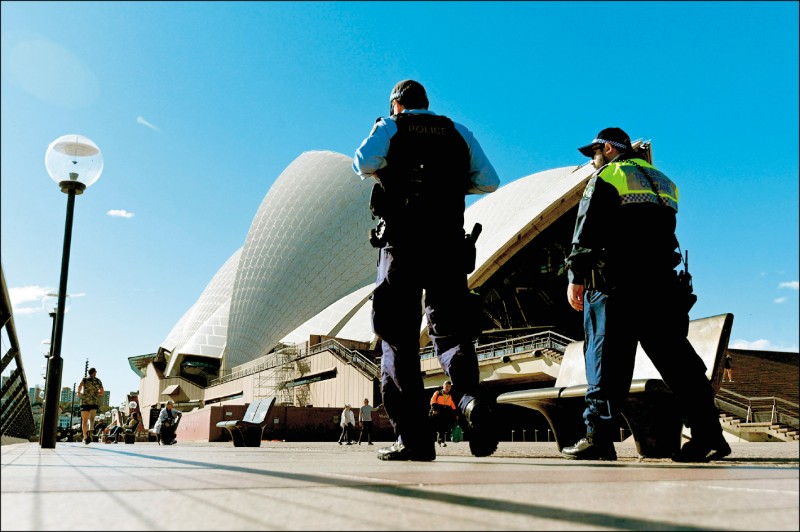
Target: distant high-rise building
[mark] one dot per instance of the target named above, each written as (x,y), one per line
(104,401)
(35,393)
(66,395)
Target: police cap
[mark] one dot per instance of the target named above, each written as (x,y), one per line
(614,136)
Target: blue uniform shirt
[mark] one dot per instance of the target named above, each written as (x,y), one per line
(371,155)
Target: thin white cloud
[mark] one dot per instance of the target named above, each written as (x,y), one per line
(760,345)
(24,311)
(780,300)
(792,285)
(120,213)
(141,120)
(27,299)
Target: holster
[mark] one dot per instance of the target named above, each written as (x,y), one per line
(469,247)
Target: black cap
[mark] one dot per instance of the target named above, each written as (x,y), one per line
(410,94)
(614,136)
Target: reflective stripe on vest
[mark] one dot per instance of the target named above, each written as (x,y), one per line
(633,187)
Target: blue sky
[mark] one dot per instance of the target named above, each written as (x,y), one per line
(198,107)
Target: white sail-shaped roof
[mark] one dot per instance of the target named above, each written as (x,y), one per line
(201,325)
(306,248)
(330,321)
(306,266)
(515,213)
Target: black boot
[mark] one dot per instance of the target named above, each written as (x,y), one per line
(697,450)
(482,428)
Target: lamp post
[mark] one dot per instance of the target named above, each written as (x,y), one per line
(74,162)
(71,412)
(45,348)
(50,305)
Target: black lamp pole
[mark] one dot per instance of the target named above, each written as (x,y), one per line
(55,366)
(71,413)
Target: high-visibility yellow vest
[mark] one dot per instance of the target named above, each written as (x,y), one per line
(633,187)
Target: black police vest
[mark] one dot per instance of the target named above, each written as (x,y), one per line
(427,175)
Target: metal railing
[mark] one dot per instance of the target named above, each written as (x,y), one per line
(16,413)
(512,346)
(294,353)
(352,357)
(521,344)
(759,409)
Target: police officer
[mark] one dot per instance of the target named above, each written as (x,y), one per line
(424,164)
(622,276)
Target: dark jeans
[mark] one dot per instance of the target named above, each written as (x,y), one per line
(366,428)
(443,422)
(396,318)
(347,434)
(613,325)
(167,434)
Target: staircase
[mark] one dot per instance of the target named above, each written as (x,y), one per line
(758,431)
(552,354)
(758,418)
(352,357)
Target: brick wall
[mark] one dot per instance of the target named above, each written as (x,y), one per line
(296,423)
(293,423)
(765,374)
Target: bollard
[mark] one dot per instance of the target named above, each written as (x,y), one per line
(523,434)
(548,434)
(512,434)
(536,435)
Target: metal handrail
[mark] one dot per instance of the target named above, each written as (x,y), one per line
(754,409)
(520,344)
(296,353)
(16,413)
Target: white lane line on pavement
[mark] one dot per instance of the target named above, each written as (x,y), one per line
(752,490)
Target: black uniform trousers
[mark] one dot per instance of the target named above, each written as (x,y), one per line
(614,321)
(403,273)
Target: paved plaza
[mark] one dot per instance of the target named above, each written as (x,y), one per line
(325,486)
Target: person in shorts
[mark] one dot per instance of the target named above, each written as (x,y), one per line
(90,390)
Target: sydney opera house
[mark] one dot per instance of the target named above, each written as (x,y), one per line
(288,314)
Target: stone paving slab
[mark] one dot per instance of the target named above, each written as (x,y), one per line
(324,486)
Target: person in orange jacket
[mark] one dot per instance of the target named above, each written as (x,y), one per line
(443,412)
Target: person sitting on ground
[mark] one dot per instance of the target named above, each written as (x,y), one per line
(113,429)
(128,428)
(99,427)
(132,424)
(167,423)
